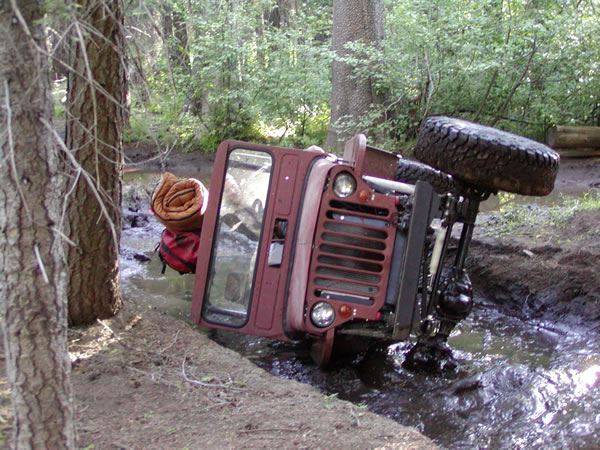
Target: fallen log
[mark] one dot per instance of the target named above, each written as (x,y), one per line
(579,152)
(573,137)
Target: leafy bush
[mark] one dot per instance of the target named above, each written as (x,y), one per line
(261,70)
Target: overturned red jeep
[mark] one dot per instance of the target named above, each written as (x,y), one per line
(305,245)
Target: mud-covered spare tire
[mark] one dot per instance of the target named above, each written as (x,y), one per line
(487,158)
(412,171)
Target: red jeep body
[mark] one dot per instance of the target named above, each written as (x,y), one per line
(302,244)
(277,239)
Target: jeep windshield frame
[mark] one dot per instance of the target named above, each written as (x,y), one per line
(237,240)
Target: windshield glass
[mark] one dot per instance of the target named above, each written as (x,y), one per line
(237,237)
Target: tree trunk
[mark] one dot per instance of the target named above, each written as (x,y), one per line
(279,14)
(353,20)
(579,152)
(32,269)
(176,37)
(96,102)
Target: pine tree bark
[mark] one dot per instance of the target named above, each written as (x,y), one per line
(32,270)
(351,97)
(96,104)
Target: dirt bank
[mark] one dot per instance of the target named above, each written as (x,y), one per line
(132,391)
(146,380)
(548,271)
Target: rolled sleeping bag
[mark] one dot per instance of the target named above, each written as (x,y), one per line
(179,203)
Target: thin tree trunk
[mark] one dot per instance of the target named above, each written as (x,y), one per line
(279,14)
(353,21)
(197,97)
(32,270)
(96,102)
(488,90)
(494,10)
(175,34)
(502,109)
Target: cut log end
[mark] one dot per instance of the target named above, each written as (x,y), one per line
(579,152)
(567,137)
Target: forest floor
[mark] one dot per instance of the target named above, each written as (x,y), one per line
(148,380)
(155,382)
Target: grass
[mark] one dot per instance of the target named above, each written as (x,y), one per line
(517,219)
(191,133)
(164,120)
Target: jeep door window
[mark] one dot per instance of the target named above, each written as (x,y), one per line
(237,237)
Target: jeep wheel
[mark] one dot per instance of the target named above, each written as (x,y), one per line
(413,171)
(327,351)
(487,158)
(320,351)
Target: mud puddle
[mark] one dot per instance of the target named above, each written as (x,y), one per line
(520,384)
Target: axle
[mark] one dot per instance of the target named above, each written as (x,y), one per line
(449,298)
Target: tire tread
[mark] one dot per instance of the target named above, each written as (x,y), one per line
(488,158)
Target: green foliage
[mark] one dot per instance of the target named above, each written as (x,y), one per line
(247,78)
(59,97)
(517,64)
(252,74)
(330,399)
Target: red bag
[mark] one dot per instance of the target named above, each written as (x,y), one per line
(179,250)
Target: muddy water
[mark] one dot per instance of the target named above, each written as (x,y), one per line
(520,384)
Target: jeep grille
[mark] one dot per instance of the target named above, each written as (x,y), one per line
(350,252)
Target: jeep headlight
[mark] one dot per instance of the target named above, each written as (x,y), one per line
(344,185)
(322,314)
